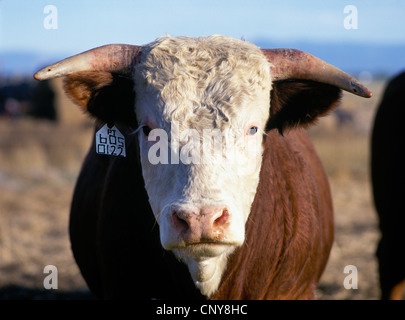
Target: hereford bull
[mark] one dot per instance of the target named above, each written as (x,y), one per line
(387,180)
(249,214)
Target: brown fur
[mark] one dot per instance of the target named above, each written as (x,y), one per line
(290,228)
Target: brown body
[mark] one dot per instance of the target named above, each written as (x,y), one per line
(290,228)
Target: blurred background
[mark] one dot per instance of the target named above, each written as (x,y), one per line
(44,137)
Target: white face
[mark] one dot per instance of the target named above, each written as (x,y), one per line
(200,140)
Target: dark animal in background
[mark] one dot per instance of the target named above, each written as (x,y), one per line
(43,102)
(388,183)
(22,98)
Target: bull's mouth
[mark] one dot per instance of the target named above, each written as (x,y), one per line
(204,243)
(202,250)
(209,242)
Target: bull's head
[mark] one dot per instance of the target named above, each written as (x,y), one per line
(201,111)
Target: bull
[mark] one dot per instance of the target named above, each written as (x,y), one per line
(220,194)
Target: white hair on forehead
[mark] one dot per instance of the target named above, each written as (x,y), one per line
(202,80)
(204,93)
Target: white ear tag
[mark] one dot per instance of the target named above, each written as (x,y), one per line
(110,141)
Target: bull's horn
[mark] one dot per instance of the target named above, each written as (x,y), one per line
(296,64)
(116,58)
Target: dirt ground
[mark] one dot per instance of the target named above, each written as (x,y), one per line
(39,162)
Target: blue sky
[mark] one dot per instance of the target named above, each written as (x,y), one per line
(83,24)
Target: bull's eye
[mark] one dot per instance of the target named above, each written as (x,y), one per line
(146,130)
(252,131)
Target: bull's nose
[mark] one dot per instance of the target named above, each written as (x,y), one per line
(204,225)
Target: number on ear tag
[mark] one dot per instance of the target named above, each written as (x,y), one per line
(110,141)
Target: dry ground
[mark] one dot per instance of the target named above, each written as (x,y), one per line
(39,163)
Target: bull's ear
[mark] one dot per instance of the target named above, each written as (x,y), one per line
(300,103)
(106,96)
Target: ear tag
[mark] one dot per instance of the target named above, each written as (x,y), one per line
(110,141)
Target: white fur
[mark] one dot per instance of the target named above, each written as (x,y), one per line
(206,273)
(203,83)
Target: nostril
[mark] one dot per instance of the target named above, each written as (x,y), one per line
(222,218)
(179,223)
